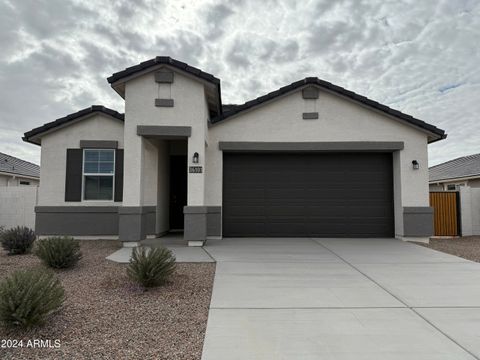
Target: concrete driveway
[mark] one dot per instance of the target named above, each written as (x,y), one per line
(341,299)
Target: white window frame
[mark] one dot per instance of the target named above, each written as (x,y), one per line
(98,174)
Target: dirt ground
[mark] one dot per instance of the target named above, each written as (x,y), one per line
(106,316)
(467,247)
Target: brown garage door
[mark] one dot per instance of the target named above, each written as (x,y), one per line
(303,195)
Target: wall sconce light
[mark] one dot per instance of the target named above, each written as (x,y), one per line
(195,158)
(415,165)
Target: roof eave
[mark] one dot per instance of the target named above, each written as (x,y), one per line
(34,136)
(435,133)
(8,173)
(31,140)
(457,178)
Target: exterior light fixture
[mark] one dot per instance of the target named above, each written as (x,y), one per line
(195,158)
(415,165)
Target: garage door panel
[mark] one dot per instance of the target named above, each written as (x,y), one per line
(236,194)
(323,195)
(287,211)
(283,192)
(241,210)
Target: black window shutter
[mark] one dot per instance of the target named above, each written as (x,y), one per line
(73,178)
(118,175)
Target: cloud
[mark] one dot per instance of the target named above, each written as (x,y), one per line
(419,57)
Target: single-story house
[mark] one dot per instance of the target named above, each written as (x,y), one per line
(450,175)
(310,159)
(18,172)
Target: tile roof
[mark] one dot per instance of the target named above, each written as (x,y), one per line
(167,60)
(235,109)
(61,121)
(227,111)
(465,166)
(13,165)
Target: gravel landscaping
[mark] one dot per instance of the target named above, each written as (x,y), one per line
(467,247)
(106,316)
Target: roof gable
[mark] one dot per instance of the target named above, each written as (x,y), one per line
(232,110)
(212,84)
(166,60)
(33,136)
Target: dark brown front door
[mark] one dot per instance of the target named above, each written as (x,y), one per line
(178,190)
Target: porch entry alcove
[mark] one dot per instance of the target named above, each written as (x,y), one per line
(164,150)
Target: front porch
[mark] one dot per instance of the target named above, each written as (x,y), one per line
(164,188)
(175,242)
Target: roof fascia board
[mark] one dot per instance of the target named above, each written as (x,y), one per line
(462,178)
(390,116)
(115,85)
(19,175)
(68,123)
(300,88)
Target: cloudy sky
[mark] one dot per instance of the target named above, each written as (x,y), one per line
(420,57)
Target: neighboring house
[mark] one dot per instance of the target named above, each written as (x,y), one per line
(450,175)
(15,171)
(310,159)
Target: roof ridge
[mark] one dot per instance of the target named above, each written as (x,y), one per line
(166,60)
(65,119)
(335,88)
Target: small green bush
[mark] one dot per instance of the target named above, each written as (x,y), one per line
(18,240)
(151,267)
(59,252)
(28,297)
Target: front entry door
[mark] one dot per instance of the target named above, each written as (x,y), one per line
(178,190)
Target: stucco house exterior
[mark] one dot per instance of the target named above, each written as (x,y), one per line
(310,159)
(18,172)
(451,175)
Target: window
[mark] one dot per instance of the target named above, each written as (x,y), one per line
(24,182)
(98,173)
(454,187)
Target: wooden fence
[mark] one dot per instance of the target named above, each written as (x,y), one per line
(446,212)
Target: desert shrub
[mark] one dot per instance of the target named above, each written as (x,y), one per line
(151,267)
(59,252)
(17,240)
(28,297)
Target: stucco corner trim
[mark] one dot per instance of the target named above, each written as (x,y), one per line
(417,221)
(164,132)
(164,102)
(76,220)
(98,144)
(310,92)
(367,146)
(164,76)
(418,210)
(310,115)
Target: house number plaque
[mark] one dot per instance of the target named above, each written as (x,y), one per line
(195,169)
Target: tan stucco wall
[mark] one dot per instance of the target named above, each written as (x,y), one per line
(145,179)
(54,152)
(339,120)
(189,110)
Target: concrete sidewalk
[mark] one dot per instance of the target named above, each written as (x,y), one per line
(341,299)
(175,243)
